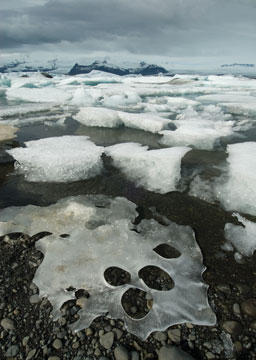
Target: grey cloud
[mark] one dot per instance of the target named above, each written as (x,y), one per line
(186,27)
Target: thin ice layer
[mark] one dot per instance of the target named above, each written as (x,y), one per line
(156,170)
(58,159)
(101,236)
(237,188)
(242,238)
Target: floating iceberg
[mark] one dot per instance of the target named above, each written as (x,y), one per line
(58,159)
(156,170)
(99,235)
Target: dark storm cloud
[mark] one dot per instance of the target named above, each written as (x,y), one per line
(182,26)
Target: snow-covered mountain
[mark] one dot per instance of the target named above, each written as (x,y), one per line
(143,69)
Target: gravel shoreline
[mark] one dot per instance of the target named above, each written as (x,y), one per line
(28,331)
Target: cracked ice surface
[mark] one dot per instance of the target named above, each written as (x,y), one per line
(101,237)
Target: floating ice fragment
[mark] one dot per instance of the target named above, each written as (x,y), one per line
(243,238)
(201,130)
(100,237)
(58,159)
(102,117)
(156,170)
(40,95)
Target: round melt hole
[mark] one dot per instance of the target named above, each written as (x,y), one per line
(167,251)
(116,276)
(136,303)
(156,278)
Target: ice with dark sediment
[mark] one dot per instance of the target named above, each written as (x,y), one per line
(99,235)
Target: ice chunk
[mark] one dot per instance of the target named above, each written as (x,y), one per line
(40,95)
(237,189)
(7,132)
(58,159)
(156,170)
(201,130)
(101,236)
(243,238)
(102,117)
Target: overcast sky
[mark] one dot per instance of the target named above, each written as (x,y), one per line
(173,28)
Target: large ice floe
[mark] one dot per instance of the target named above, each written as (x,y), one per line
(155,170)
(58,159)
(243,238)
(99,234)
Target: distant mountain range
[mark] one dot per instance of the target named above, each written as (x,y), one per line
(143,69)
(17,66)
(238,65)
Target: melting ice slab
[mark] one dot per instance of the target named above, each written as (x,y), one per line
(101,236)
(156,170)
(58,159)
(237,190)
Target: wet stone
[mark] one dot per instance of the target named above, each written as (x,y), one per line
(107,340)
(160,336)
(121,353)
(7,324)
(249,307)
(233,328)
(57,344)
(31,354)
(12,351)
(173,353)
(175,335)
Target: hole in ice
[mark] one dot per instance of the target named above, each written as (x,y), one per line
(167,251)
(136,303)
(116,276)
(64,235)
(81,293)
(40,235)
(70,288)
(156,278)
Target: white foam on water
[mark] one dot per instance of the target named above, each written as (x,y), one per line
(58,159)
(155,170)
(101,236)
(242,238)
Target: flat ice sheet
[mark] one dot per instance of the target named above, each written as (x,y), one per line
(101,236)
